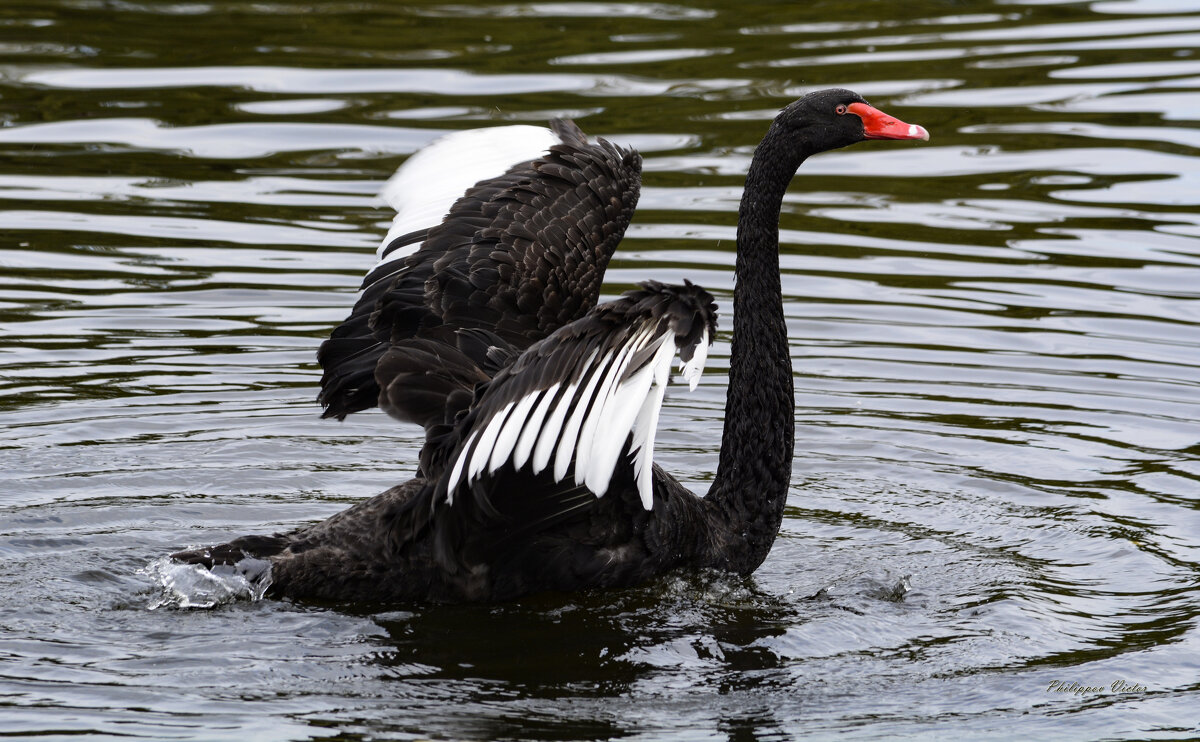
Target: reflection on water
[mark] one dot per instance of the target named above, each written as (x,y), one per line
(995,342)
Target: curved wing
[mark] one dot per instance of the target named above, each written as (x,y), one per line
(517,256)
(570,421)
(570,402)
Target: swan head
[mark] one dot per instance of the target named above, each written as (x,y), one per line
(834,118)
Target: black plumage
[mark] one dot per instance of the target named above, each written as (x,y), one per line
(493,320)
(518,255)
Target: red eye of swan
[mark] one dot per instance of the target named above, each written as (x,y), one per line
(840,110)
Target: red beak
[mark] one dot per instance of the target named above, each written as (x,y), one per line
(879,125)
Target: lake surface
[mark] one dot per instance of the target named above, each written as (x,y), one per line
(995,510)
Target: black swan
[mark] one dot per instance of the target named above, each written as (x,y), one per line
(539,406)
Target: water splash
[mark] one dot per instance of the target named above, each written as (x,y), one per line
(194,586)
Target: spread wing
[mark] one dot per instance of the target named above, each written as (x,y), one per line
(453,299)
(570,421)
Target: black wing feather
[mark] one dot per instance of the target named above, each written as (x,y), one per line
(518,256)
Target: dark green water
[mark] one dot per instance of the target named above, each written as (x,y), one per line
(996,343)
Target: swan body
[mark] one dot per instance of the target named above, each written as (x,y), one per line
(479,322)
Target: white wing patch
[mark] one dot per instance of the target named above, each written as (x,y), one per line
(424,188)
(584,424)
(692,369)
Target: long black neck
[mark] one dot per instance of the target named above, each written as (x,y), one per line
(748,494)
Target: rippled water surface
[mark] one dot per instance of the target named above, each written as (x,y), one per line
(995,336)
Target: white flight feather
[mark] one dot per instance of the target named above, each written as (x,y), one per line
(456,472)
(493,434)
(548,436)
(548,433)
(424,188)
(487,439)
(647,422)
(598,415)
(507,440)
(619,413)
(570,433)
(662,370)
(530,434)
(693,368)
(644,429)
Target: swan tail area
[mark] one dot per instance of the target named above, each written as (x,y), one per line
(569,423)
(507,230)
(245,547)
